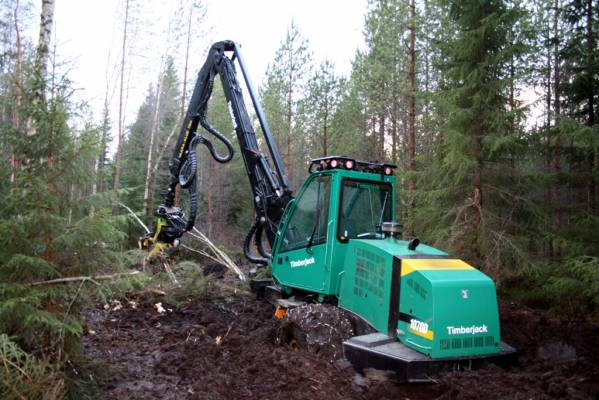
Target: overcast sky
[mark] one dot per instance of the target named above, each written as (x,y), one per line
(88,35)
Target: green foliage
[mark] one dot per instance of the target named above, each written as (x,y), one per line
(22,268)
(568,288)
(91,241)
(471,194)
(23,376)
(349,123)
(137,146)
(317,109)
(194,283)
(53,225)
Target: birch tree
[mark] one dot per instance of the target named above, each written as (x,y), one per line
(121,127)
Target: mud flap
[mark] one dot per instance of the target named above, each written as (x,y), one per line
(379,351)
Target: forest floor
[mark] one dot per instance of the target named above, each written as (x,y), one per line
(228,348)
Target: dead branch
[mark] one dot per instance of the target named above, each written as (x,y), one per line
(92,279)
(235,290)
(64,319)
(218,253)
(202,253)
(170,273)
(135,216)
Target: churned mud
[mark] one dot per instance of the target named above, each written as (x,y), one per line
(233,348)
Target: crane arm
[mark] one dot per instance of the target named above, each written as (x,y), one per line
(270,187)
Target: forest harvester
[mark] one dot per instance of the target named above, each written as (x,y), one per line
(337,241)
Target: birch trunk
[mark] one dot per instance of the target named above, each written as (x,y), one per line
(41,60)
(184,93)
(43,46)
(16,120)
(412,105)
(153,129)
(121,132)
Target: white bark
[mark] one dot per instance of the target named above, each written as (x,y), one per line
(43,45)
(153,129)
(16,122)
(121,132)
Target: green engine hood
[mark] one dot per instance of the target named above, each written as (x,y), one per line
(431,302)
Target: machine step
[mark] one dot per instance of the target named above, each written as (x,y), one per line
(379,351)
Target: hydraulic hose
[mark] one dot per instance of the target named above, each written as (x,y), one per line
(247,243)
(260,244)
(187,180)
(221,159)
(202,110)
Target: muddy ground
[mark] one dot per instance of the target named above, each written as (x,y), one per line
(229,348)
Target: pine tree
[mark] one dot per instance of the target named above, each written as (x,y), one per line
(349,122)
(318,108)
(381,73)
(284,87)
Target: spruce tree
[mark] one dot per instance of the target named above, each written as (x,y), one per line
(578,125)
(471,195)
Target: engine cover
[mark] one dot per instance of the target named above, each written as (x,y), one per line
(431,302)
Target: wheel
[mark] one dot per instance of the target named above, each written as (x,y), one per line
(317,328)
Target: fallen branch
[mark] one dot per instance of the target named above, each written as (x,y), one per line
(235,290)
(170,273)
(93,279)
(218,253)
(218,256)
(200,252)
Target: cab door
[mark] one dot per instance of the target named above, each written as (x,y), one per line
(300,253)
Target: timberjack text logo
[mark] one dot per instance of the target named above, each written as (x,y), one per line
(302,263)
(471,330)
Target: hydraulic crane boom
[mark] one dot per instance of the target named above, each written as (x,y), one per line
(270,187)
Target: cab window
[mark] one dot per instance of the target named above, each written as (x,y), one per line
(364,207)
(308,224)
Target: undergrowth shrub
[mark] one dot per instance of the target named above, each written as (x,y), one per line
(569,288)
(193,283)
(25,376)
(42,323)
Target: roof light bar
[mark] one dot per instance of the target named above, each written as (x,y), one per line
(343,162)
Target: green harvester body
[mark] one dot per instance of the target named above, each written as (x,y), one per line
(432,303)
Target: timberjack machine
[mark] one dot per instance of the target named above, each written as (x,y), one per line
(337,241)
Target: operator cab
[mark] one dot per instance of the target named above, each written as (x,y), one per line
(364,205)
(343,199)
